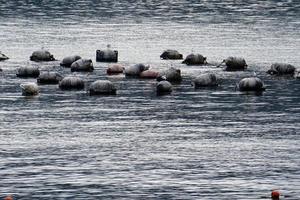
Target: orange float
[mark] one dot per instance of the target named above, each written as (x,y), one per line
(8,198)
(275,195)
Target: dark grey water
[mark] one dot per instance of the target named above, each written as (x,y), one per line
(192,144)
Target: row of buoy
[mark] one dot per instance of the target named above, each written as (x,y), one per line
(99,87)
(76,63)
(164,85)
(164,78)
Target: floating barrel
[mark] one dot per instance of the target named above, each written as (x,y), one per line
(281,69)
(205,80)
(172,75)
(29,89)
(102,87)
(171,54)
(235,64)
(71,82)
(149,74)
(41,55)
(115,69)
(67,61)
(195,59)
(163,87)
(251,84)
(135,70)
(80,65)
(49,78)
(28,72)
(106,55)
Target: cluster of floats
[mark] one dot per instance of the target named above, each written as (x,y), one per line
(164,78)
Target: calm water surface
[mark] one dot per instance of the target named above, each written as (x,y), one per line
(192,144)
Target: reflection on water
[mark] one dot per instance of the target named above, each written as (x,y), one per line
(193,144)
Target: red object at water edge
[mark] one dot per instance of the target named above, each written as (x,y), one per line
(275,195)
(8,198)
